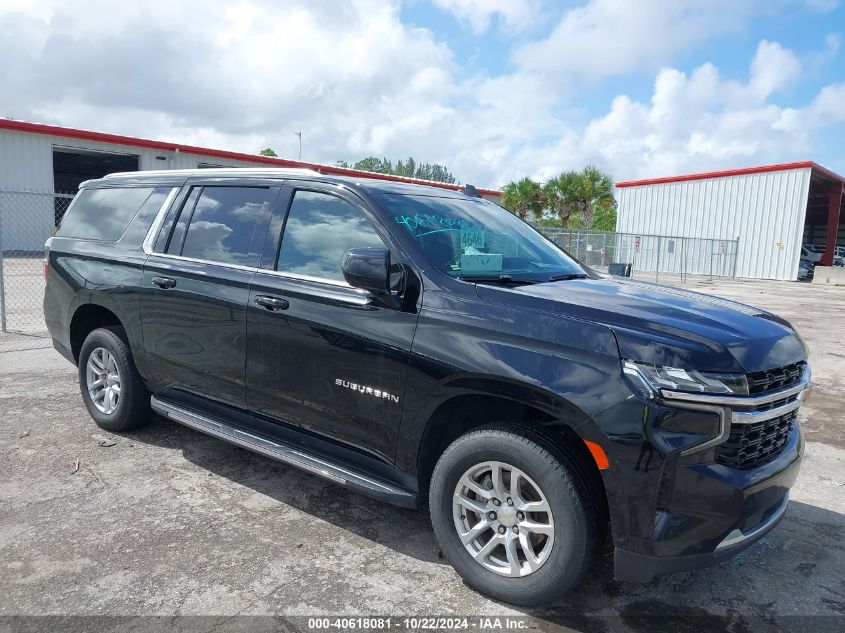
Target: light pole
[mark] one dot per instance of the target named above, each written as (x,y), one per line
(299,134)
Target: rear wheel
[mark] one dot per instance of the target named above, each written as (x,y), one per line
(111,387)
(513,516)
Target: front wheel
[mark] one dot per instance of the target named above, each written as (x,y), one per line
(513,515)
(111,387)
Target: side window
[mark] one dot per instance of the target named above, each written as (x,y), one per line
(143,220)
(103,214)
(221,224)
(320,228)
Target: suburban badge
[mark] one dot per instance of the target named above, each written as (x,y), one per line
(370,391)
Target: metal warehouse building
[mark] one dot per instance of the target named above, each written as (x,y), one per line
(770,211)
(47,159)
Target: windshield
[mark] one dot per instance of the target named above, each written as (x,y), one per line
(477,240)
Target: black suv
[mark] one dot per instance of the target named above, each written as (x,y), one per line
(423,345)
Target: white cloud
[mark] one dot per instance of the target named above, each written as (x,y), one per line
(828,106)
(515,15)
(357,81)
(610,37)
(700,121)
(351,76)
(772,68)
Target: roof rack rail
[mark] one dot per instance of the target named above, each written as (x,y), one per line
(292,171)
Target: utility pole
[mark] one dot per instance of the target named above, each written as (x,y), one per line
(299,134)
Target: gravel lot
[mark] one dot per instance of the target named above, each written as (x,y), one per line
(170,522)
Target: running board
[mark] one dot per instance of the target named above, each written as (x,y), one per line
(285,453)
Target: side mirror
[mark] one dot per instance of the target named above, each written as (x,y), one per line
(367,268)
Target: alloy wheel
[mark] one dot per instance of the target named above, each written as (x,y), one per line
(103,380)
(503,519)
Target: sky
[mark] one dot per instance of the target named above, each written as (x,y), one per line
(494,89)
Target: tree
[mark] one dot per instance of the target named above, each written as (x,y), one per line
(596,189)
(268,152)
(409,168)
(605,216)
(582,197)
(561,196)
(522,197)
(375,165)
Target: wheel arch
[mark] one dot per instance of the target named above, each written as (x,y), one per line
(85,319)
(556,422)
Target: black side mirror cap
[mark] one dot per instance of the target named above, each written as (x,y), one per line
(367,268)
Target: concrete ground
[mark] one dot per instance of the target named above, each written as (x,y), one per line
(167,521)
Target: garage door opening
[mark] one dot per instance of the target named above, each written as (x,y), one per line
(73,166)
(824,225)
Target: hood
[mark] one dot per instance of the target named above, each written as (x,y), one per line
(665,325)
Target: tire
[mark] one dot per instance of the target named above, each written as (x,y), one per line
(131,407)
(559,479)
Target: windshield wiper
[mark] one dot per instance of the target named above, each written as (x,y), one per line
(502,279)
(567,277)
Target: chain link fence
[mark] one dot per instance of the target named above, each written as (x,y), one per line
(27,219)
(665,258)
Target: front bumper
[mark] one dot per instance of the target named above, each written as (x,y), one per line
(633,566)
(689,508)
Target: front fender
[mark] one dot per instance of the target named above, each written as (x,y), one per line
(565,367)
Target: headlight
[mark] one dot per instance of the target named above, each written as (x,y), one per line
(654,378)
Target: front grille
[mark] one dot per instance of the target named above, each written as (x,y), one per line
(770,379)
(751,445)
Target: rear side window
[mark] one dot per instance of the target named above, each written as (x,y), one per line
(143,220)
(222,223)
(103,214)
(320,228)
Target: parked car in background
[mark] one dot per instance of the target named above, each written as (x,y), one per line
(806,268)
(810,253)
(428,348)
(814,253)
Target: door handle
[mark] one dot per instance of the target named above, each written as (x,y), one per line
(164,282)
(272,303)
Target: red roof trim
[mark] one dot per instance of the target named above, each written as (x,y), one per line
(102,137)
(733,172)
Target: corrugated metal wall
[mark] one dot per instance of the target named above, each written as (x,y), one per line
(764,211)
(26,160)
(26,164)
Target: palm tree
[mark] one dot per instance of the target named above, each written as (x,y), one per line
(579,193)
(523,196)
(596,189)
(561,195)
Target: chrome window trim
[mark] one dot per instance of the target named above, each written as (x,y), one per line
(320,280)
(155,228)
(150,238)
(205,261)
(357,296)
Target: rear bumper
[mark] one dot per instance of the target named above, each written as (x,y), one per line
(633,566)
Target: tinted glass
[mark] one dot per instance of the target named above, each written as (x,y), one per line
(143,220)
(103,214)
(320,228)
(222,224)
(174,246)
(477,238)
